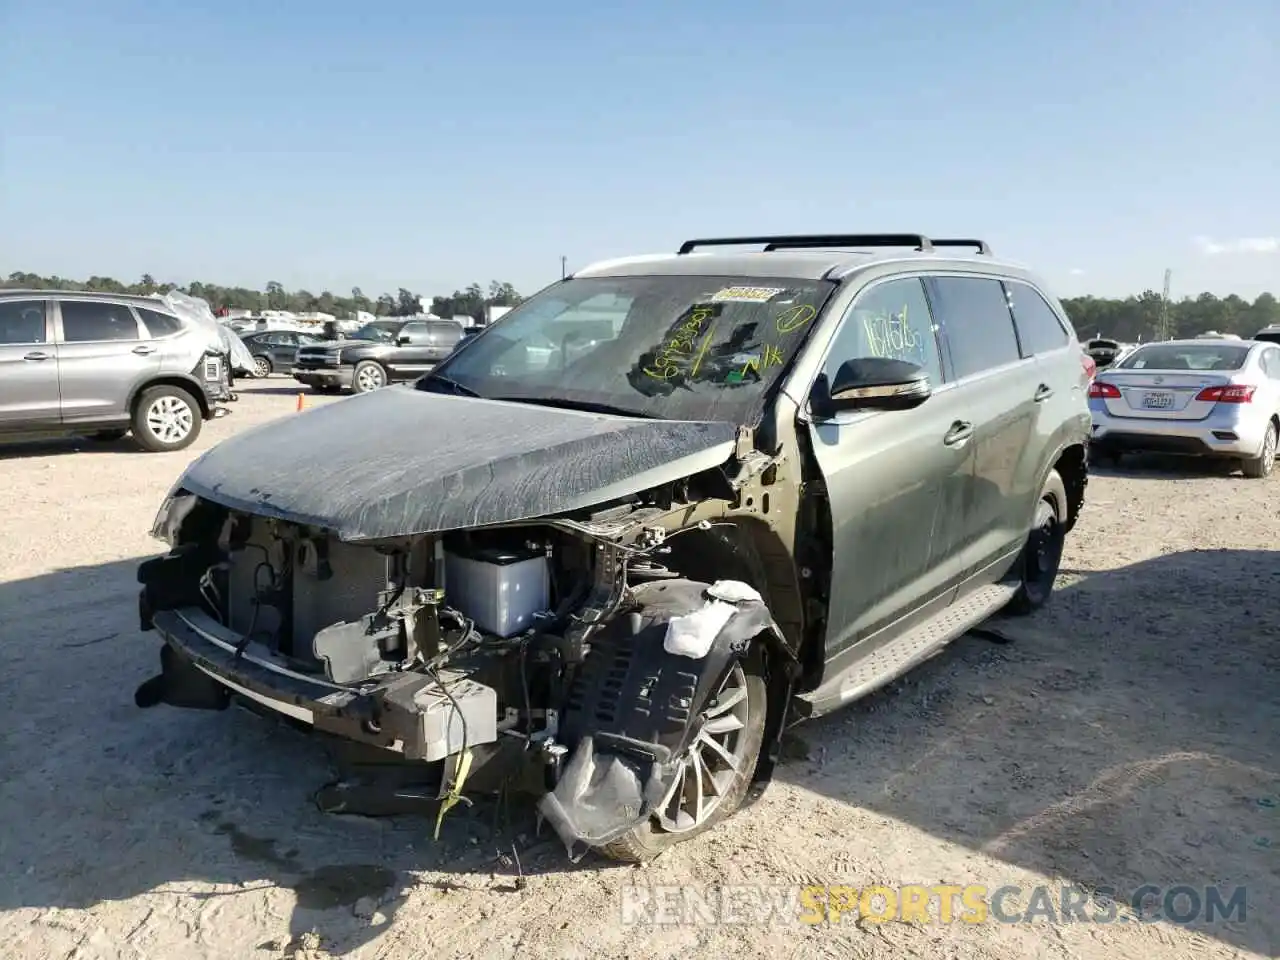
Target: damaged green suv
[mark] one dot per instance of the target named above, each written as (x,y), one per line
(613,545)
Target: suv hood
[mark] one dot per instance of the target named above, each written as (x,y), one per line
(400,462)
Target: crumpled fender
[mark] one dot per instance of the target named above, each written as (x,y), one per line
(633,707)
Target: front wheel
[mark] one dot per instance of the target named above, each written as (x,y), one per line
(715,772)
(166,418)
(1260,467)
(368,375)
(1037,565)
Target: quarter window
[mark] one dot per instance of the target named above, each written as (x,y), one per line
(87,321)
(891,319)
(979,327)
(22,321)
(1039,329)
(158,324)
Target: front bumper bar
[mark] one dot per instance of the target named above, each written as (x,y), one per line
(386,716)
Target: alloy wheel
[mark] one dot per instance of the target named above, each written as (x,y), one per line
(170,419)
(714,759)
(370,378)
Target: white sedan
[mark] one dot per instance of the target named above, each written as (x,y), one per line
(1201,397)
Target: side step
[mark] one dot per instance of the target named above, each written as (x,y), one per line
(895,658)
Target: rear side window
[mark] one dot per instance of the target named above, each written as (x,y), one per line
(448,332)
(1039,329)
(88,322)
(159,324)
(22,321)
(974,313)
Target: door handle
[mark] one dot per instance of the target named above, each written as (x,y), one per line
(38,355)
(960,431)
(143,350)
(1043,393)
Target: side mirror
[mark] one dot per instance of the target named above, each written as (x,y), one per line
(402,341)
(877,383)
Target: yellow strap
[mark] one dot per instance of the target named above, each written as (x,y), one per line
(454,796)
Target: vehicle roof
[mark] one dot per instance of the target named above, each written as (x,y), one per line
(808,264)
(137,299)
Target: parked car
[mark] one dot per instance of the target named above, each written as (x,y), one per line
(102,365)
(1270,334)
(276,351)
(617,574)
(377,354)
(1199,397)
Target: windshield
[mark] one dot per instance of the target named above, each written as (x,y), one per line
(1186,356)
(383,333)
(673,347)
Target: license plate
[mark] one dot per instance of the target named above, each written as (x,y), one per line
(1157,400)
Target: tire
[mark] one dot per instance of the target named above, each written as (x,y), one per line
(650,838)
(262,367)
(166,418)
(1260,467)
(1041,556)
(109,436)
(369,375)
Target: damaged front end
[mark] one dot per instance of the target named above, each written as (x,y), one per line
(560,656)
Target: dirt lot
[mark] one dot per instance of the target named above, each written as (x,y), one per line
(1129,735)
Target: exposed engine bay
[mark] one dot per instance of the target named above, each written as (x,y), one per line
(559,657)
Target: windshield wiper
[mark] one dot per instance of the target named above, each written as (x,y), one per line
(587,406)
(448,382)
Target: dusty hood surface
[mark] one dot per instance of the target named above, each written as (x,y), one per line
(400,461)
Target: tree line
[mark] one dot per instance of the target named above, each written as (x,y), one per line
(470,302)
(1143,317)
(1149,317)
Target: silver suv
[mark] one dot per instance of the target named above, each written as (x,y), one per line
(100,365)
(741,489)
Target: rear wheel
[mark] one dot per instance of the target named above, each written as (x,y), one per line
(1037,566)
(1258,467)
(715,772)
(262,367)
(166,418)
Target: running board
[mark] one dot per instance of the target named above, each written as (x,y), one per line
(902,654)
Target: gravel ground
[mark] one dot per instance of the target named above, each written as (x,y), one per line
(1128,735)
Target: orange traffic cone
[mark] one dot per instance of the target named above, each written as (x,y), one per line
(301,401)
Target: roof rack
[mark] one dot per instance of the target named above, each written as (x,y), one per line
(979,245)
(814,241)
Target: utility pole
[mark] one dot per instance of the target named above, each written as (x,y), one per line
(564,261)
(1164,306)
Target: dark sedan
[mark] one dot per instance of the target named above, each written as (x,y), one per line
(274,350)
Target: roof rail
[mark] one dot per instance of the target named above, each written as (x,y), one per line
(979,245)
(814,241)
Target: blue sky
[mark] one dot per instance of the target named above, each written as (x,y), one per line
(382,144)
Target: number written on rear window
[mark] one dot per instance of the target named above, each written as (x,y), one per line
(1039,329)
(87,322)
(979,327)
